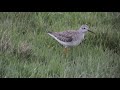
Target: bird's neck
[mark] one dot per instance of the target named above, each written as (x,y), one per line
(80,31)
(82,34)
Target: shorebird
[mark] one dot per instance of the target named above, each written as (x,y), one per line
(70,38)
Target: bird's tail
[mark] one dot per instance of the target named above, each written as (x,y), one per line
(49,32)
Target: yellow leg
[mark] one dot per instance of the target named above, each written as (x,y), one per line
(65,51)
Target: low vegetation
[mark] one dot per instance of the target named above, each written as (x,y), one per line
(27,51)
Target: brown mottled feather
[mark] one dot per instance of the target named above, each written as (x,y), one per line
(66,36)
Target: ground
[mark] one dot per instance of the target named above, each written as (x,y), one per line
(27,51)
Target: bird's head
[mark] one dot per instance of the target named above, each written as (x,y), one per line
(84,29)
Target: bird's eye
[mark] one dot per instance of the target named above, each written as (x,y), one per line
(83,28)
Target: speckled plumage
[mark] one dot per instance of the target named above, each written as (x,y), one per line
(70,37)
(66,36)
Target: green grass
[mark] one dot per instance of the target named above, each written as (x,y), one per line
(26,51)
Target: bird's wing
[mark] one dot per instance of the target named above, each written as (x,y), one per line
(66,36)
(69,33)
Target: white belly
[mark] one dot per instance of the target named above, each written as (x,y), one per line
(69,44)
(74,43)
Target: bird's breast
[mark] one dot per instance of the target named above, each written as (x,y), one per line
(77,40)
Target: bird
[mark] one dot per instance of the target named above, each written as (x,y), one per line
(70,38)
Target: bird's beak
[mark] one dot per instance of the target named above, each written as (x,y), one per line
(91,31)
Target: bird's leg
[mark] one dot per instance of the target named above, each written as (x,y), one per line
(65,50)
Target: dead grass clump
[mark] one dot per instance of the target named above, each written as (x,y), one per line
(5,43)
(24,49)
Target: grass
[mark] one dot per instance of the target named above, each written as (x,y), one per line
(26,51)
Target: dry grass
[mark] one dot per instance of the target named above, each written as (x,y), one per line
(25,46)
(24,49)
(6,43)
